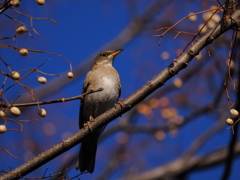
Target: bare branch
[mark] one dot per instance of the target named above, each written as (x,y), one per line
(9,153)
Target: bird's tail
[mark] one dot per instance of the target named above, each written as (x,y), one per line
(87,156)
(87,153)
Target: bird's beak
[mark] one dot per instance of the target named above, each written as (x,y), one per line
(116,52)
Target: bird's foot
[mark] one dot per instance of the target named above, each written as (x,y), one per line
(88,125)
(91,119)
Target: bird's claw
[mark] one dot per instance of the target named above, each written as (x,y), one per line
(88,125)
(91,119)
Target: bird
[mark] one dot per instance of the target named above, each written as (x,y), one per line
(103,75)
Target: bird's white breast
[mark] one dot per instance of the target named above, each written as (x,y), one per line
(107,82)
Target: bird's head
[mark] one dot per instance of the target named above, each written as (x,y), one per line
(106,57)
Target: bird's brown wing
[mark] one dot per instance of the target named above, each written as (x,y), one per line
(84,89)
(120,91)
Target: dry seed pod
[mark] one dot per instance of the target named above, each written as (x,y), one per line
(23,52)
(211,24)
(42,80)
(193,17)
(20,30)
(42,112)
(70,74)
(3,128)
(216,18)
(40,2)
(2,114)
(15,111)
(15,3)
(234,113)
(15,75)
(207,15)
(229,121)
(204,29)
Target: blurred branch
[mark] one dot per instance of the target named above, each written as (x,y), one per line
(117,157)
(5,6)
(184,165)
(153,129)
(176,66)
(206,136)
(200,141)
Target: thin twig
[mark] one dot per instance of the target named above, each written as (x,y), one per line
(39,51)
(54,101)
(9,153)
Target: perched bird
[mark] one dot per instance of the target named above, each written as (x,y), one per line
(103,75)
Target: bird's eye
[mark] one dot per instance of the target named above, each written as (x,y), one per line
(104,54)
